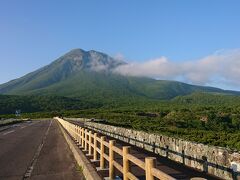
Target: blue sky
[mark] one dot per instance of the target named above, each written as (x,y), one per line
(34,33)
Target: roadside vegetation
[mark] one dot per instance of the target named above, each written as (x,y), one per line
(218,126)
(5,122)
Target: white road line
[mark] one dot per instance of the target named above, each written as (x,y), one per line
(8,132)
(14,126)
(33,123)
(29,125)
(36,155)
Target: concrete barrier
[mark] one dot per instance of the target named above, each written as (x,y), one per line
(85,137)
(88,171)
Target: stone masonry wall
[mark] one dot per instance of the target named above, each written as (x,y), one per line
(218,161)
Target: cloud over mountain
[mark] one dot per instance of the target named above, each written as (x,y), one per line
(221,67)
(88,74)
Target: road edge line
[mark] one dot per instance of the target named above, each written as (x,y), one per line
(88,170)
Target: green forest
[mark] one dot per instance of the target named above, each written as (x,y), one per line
(200,117)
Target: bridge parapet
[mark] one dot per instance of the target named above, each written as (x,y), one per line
(96,146)
(217,161)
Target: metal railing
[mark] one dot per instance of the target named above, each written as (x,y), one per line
(89,142)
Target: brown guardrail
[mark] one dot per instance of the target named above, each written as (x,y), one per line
(89,140)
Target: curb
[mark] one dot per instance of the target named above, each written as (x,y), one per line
(88,171)
(6,128)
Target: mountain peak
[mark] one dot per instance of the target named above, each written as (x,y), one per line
(79,51)
(74,53)
(80,59)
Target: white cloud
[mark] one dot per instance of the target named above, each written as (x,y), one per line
(222,67)
(119,57)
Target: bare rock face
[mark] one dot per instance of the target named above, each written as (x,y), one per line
(79,59)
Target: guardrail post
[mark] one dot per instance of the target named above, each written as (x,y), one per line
(80,135)
(89,143)
(102,162)
(83,137)
(95,147)
(77,135)
(126,150)
(72,131)
(150,162)
(85,149)
(75,132)
(111,160)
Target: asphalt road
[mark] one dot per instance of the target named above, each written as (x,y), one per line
(36,150)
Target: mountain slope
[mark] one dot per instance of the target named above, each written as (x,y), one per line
(88,75)
(207,99)
(61,69)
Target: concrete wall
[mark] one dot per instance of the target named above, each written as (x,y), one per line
(76,119)
(218,161)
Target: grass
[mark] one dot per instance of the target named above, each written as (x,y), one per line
(9,122)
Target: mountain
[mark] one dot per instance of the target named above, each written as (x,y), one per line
(88,75)
(60,70)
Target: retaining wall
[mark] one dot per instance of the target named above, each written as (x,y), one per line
(218,161)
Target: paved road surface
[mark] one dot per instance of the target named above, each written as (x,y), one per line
(38,150)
